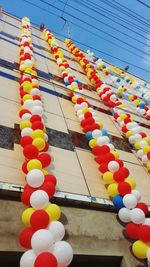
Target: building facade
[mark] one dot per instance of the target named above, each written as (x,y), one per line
(89,216)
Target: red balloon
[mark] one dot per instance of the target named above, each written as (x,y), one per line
(87,115)
(120,163)
(39,219)
(124,170)
(124,188)
(27,56)
(45,159)
(24,167)
(45,259)
(23,111)
(83,123)
(51,178)
(26,140)
(49,188)
(36,97)
(100,150)
(132,230)
(103,167)
(37,125)
(35,118)
(90,121)
(143,207)
(30,151)
(25,237)
(144,233)
(26,194)
(119,176)
(46,147)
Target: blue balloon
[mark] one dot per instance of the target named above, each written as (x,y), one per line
(89,135)
(104,132)
(103,67)
(117,201)
(142,105)
(143,94)
(118,80)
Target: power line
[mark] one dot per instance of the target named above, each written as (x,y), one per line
(105,11)
(141,2)
(83,44)
(110,35)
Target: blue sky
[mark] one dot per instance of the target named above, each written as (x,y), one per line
(99,23)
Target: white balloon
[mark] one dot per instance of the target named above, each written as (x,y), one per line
(28,62)
(28,259)
(41,241)
(145,158)
(35,178)
(77,108)
(124,215)
(137,194)
(26,116)
(147,221)
(130,201)
(103,140)
(113,166)
(111,146)
(81,117)
(45,137)
(35,91)
(148,255)
(143,143)
(28,103)
(39,199)
(96,133)
(137,137)
(84,105)
(37,110)
(140,153)
(137,216)
(131,125)
(26,131)
(79,112)
(136,129)
(37,103)
(131,139)
(63,253)
(57,230)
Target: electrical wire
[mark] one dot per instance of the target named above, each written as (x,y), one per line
(141,2)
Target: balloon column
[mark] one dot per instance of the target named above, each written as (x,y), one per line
(136,136)
(120,186)
(43,233)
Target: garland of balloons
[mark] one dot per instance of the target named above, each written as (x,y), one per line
(120,187)
(43,233)
(133,132)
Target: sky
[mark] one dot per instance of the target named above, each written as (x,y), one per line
(115,30)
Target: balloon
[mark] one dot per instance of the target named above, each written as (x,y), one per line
(63,253)
(26,194)
(140,249)
(57,230)
(53,211)
(34,164)
(137,194)
(96,133)
(113,166)
(38,133)
(124,188)
(89,136)
(132,230)
(92,143)
(39,199)
(147,221)
(24,167)
(26,215)
(25,237)
(45,259)
(39,143)
(124,215)
(27,132)
(144,233)
(117,201)
(49,188)
(137,216)
(25,124)
(39,219)
(35,118)
(28,259)
(41,241)
(100,150)
(45,159)
(103,167)
(108,178)
(143,207)
(131,181)
(119,176)
(129,201)
(35,178)
(37,110)
(112,189)
(26,116)
(23,111)
(51,178)
(30,151)
(37,125)
(25,140)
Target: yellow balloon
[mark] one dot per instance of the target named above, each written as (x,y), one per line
(123,116)
(147,139)
(92,143)
(137,145)
(100,124)
(38,133)
(112,189)
(35,83)
(22,67)
(34,164)
(54,212)
(74,99)
(84,110)
(24,124)
(148,165)
(108,178)
(128,134)
(146,149)
(139,249)
(26,215)
(116,154)
(45,172)
(27,86)
(28,70)
(27,96)
(39,143)
(131,181)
